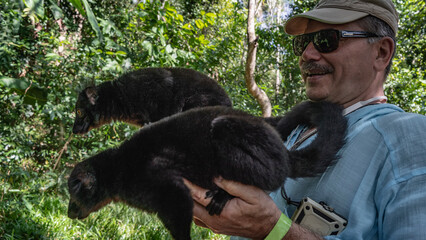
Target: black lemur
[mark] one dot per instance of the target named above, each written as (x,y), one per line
(146,171)
(146,95)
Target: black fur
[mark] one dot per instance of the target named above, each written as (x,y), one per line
(325,116)
(146,171)
(146,95)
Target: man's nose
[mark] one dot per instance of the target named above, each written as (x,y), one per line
(310,53)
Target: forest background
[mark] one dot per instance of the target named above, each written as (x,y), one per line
(51,49)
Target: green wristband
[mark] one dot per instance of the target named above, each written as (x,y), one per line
(280,229)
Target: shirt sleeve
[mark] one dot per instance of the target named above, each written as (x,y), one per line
(399,194)
(401,198)
(402,210)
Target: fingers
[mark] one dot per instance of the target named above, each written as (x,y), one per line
(200,215)
(248,193)
(200,223)
(199,211)
(197,193)
(251,214)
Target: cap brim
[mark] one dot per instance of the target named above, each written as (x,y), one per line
(297,24)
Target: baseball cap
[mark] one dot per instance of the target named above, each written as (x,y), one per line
(344,11)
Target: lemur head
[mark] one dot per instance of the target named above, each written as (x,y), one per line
(86,195)
(86,116)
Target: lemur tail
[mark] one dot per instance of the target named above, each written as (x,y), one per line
(322,152)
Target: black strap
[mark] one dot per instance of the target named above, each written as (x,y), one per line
(288,200)
(298,142)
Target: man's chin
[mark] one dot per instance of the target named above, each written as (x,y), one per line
(316,95)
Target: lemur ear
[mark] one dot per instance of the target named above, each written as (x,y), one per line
(92,94)
(86,180)
(81,182)
(89,181)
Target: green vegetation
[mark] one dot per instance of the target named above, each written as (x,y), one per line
(50,49)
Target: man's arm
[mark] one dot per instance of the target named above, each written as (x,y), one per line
(298,232)
(251,214)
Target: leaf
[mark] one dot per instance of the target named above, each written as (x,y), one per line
(187,26)
(211,15)
(52,57)
(112,65)
(180,17)
(92,20)
(14,83)
(57,12)
(77,4)
(202,40)
(162,40)
(35,94)
(147,46)
(28,204)
(87,11)
(35,7)
(170,9)
(31,92)
(169,48)
(199,24)
(121,53)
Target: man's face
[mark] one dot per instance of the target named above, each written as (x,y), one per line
(344,76)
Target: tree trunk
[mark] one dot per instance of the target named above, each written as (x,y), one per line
(252,87)
(277,79)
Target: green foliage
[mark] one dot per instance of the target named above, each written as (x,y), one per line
(39,214)
(406,85)
(45,57)
(49,50)
(32,93)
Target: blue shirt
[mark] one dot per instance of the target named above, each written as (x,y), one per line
(379,183)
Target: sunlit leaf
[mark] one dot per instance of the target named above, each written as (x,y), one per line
(199,23)
(77,4)
(169,48)
(52,57)
(121,53)
(35,7)
(17,83)
(57,12)
(147,46)
(187,26)
(92,20)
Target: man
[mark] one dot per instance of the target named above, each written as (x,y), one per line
(379,183)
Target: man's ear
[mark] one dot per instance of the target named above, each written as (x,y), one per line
(385,50)
(92,94)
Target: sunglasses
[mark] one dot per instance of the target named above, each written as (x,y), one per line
(325,41)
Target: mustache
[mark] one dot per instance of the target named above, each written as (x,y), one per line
(309,68)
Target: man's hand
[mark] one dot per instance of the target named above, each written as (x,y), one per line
(252,213)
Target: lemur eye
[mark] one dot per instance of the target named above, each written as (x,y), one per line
(79,112)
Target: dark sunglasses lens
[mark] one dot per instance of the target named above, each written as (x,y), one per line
(326,41)
(300,43)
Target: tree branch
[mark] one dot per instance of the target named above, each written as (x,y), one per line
(252,87)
